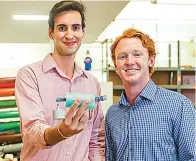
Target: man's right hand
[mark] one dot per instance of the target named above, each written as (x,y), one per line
(76,119)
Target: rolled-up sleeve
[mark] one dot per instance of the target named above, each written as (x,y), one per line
(33,123)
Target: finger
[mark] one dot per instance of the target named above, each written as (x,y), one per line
(90,114)
(73,108)
(70,114)
(84,117)
(83,121)
(80,111)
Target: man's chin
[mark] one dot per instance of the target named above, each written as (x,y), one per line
(68,53)
(131,81)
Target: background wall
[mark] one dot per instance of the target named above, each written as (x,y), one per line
(14,56)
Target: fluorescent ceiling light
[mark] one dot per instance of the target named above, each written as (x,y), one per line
(180,2)
(30,17)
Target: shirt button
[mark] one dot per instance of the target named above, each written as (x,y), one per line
(67,153)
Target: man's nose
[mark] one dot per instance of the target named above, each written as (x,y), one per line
(130,59)
(69,34)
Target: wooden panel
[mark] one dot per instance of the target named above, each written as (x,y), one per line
(116,95)
(190,93)
(164,77)
(188,77)
(115,78)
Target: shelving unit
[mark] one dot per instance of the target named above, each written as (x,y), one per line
(177,79)
(164,77)
(188,87)
(10,136)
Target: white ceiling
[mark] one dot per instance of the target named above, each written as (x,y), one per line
(163,22)
(98,16)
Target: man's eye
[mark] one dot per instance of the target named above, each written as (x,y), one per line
(62,28)
(137,55)
(76,28)
(122,57)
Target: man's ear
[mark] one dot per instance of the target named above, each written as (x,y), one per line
(83,32)
(50,33)
(151,61)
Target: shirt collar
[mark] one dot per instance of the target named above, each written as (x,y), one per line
(49,63)
(147,93)
(79,71)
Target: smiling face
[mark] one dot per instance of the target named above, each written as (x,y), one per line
(132,61)
(68,33)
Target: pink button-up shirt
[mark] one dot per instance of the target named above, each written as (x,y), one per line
(37,87)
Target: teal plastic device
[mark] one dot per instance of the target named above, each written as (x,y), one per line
(59,113)
(71,97)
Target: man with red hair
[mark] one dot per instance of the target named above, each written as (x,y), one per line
(148,123)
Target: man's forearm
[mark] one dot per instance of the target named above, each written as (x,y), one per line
(52,136)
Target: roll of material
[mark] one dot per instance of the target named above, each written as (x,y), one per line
(7,103)
(9,114)
(7,85)
(10,138)
(4,92)
(12,131)
(7,98)
(14,119)
(8,109)
(7,80)
(11,148)
(9,125)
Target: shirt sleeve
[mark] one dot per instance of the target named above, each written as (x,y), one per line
(108,141)
(185,132)
(33,123)
(97,141)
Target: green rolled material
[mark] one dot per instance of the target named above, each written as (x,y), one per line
(7,103)
(12,131)
(9,114)
(9,125)
(15,131)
